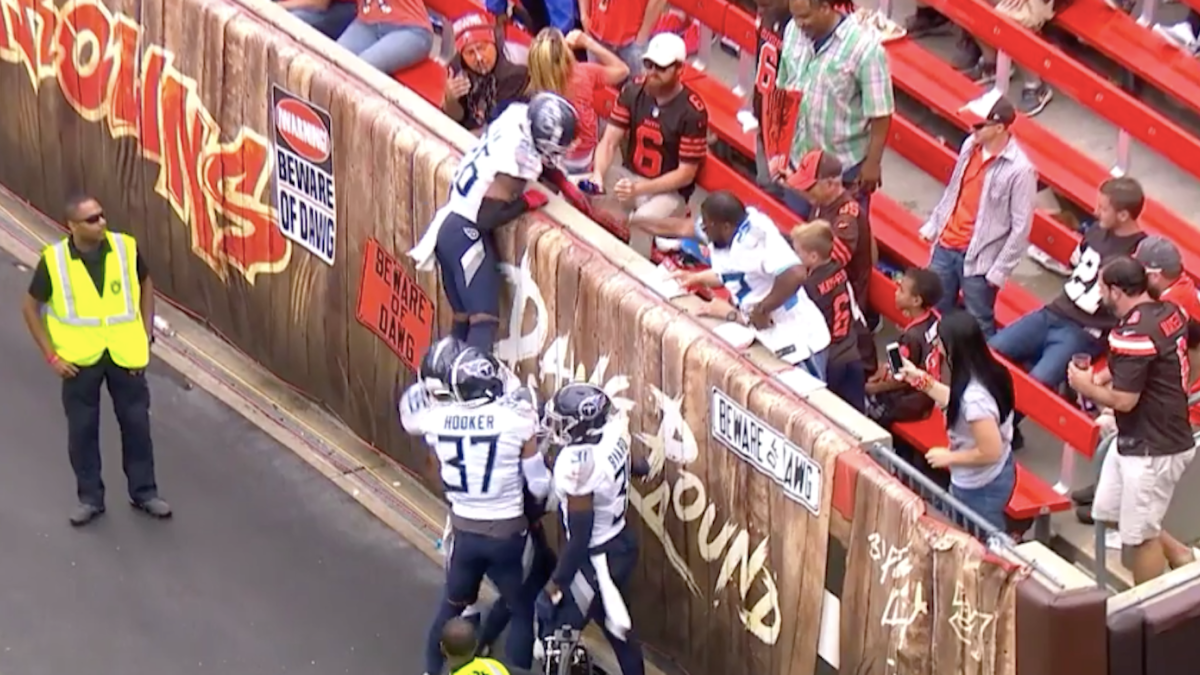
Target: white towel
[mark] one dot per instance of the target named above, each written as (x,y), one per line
(423,252)
(616,614)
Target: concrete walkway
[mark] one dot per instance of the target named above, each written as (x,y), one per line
(267,566)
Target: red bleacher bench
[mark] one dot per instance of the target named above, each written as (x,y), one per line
(427,78)
(1033,499)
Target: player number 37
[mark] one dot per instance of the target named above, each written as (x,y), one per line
(457,452)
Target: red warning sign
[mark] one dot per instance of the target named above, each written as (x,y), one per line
(393,306)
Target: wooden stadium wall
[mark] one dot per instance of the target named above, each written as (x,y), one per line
(159,108)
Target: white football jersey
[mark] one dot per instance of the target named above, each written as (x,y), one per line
(479,449)
(505,148)
(601,470)
(748,269)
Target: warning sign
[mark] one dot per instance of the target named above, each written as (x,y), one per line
(304,186)
(393,306)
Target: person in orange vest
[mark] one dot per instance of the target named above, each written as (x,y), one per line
(90,310)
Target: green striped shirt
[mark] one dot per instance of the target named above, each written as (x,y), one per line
(844,85)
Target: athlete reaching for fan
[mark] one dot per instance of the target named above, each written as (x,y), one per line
(591,480)
(488,190)
(483,440)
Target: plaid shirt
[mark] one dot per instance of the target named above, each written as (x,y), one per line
(1005,213)
(844,86)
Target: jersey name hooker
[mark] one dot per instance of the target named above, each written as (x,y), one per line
(601,470)
(507,148)
(479,451)
(1080,297)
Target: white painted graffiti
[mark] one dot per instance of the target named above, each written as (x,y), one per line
(906,599)
(673,441)
(969,626)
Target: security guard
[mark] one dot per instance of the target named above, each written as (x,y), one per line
(90,310)
(460,646)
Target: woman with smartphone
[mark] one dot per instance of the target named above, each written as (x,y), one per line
(979,418)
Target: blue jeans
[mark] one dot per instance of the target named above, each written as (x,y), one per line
(816,365)
(386,46)
(332,22)
(1043,343)
(849,381)
(631,54)
(991,500)
(977,294)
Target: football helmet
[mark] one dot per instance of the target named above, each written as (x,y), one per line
(476,377)
(552,122)
(437,364)
(576,414)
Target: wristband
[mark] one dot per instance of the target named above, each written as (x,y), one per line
(732,315)
(53,359)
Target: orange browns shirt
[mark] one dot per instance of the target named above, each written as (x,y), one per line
(399,12)
(616,22)
(957,234)
(658,138)
(1183,294)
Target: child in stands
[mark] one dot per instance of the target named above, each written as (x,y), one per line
(889,400)
(829,287)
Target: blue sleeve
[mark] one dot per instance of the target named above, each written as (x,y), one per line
(563,14)
(497,7)
(575,552)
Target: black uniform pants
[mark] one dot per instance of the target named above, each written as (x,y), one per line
(131,401)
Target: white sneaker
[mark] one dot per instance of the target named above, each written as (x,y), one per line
(1179,34)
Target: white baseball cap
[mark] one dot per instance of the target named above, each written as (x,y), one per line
(666,49)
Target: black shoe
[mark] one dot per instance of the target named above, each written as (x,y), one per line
(1084,496)
(1018,438)
(154,506)
(1084,515)
(85,513)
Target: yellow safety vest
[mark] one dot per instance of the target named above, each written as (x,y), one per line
(83,323)
(482,667)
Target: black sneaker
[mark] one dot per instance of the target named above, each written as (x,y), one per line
(1084,515)
(968,53)
(84,514)
(1034,99)
(154,507)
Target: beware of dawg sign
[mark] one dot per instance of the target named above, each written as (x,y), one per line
(766,450)
(304,186)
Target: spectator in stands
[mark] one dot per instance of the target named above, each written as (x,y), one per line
(829,287)
(819,179)
(660,126)
(980,227)
(390,35)
(1185,34)
(979,418)
(1032,14)
(537,15)
(841,70)
(328,16)
(1146,386)
(773,18)
(890,400)
(928,20)
(1075,321)
(1168,283)
(480,77)
(764,277)
(623,27)
(552,67)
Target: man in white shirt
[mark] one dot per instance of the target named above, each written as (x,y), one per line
(764,277)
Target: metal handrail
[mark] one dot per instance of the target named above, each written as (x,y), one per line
(957,512)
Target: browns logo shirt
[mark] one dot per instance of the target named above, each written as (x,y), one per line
(1183,294)
(1080,297)
(658,138)
(1147,354)
(829,288)
(770,27)
(852,247)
